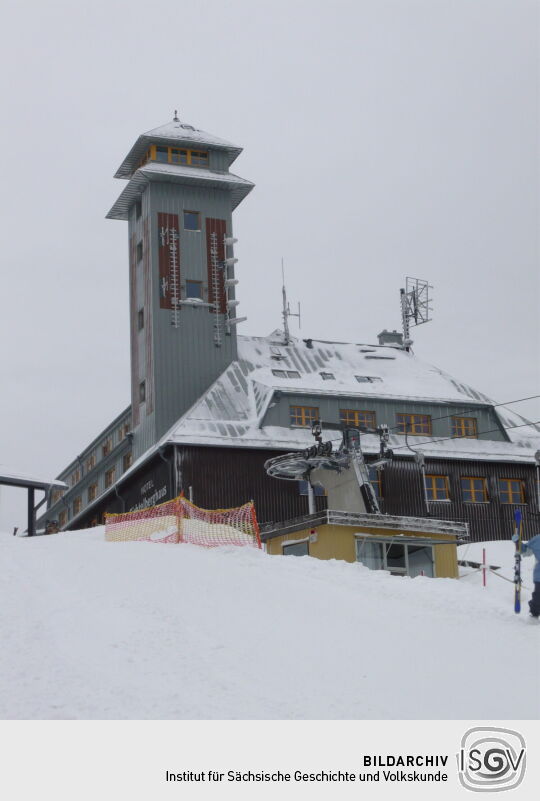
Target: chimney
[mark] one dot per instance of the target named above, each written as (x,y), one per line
(391,338)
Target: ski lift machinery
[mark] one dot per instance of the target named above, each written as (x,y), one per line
(298,465)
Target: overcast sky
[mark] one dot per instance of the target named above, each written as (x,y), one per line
(386,138)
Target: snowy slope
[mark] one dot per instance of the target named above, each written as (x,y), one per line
(91,629)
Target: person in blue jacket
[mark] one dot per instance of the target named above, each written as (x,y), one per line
(532,548)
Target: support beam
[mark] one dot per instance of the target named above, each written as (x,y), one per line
(31,513)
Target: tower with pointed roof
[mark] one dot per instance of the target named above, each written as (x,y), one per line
(178,204)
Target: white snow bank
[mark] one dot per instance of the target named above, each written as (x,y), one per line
(141,630)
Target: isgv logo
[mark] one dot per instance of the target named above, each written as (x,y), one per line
(491,759)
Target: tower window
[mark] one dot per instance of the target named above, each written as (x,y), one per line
(179,156)
(139,251)
(138,210)
(192,221)
(199,158)
(194,289)
(140,319)
(142,391)
(162,153)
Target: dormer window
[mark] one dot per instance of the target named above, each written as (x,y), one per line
(286,373)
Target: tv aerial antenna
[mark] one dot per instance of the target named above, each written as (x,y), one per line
(286,311)
(416,306)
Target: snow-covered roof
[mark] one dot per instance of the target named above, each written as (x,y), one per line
(175,132)
(231,412)
(177,173)
(16,478)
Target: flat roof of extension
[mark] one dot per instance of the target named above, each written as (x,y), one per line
(460,531)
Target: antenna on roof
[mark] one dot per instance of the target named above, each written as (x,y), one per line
(175,118)
(286,312)
(416,305)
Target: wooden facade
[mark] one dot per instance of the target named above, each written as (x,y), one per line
(226,477)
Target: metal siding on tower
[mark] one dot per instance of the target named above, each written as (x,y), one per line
(134,334)
(168,260)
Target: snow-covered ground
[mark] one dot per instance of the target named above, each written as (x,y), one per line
(91,629)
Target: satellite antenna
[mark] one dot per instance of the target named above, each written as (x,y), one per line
(416,305)
(286,312)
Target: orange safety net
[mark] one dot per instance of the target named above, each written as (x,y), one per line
(181,521)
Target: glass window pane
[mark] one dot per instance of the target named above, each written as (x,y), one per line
(191,220)
(193,289)
(395,557)
(370,554)
(296,549)
(420,560)
(162,153)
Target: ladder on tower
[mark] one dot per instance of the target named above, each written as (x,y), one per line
(174,278)
(216,287)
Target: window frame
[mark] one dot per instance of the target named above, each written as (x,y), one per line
(386,545)
(194,157)
(193,282)
(278,373)
(77,505)
(472,490)
(434,488)
(142,391)
(376,481)
(463,421)
(511,501)
(355,413)
(110,477)
(92,492)
(286,548)
(305,422)
(197,214)
(414,423)
(127,461)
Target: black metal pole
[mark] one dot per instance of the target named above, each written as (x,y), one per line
(31,513)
